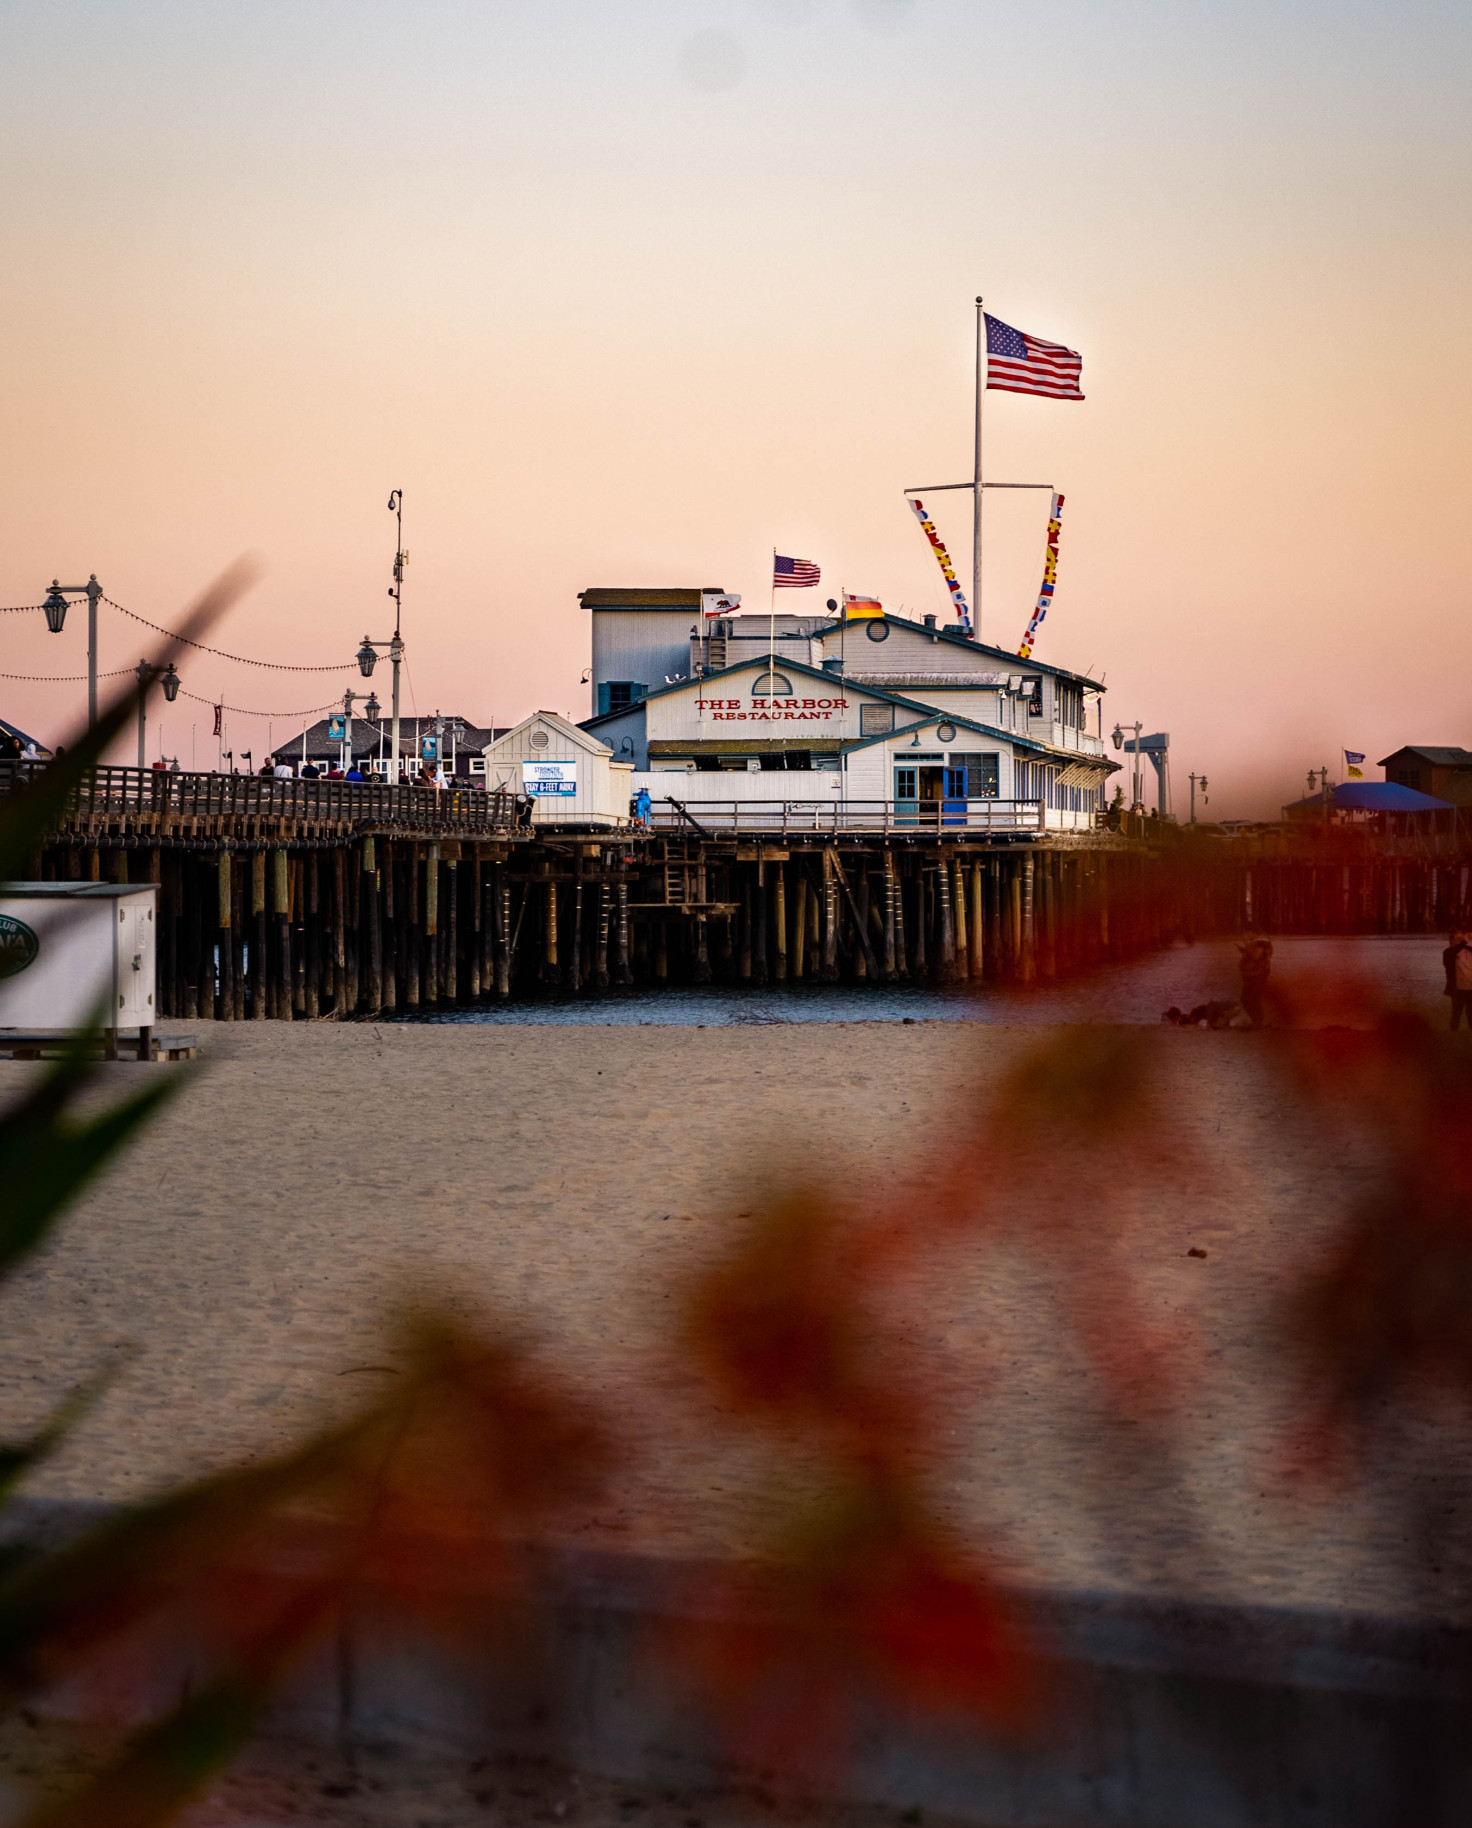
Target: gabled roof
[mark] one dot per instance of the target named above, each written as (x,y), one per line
(573,732)
(1437,757)
(779,663)
(599,598)
(1010,663)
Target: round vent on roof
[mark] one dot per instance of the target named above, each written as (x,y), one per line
(877,631)
(945,732)
(539,739)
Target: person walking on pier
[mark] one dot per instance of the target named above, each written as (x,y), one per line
(1457,962)
(1256,964)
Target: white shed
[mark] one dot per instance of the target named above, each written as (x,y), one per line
(570,777)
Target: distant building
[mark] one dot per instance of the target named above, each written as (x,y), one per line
(1444,773)
(460,745)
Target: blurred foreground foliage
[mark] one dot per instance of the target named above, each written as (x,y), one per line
(435,1504)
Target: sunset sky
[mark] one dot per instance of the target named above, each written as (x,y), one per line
(630,293)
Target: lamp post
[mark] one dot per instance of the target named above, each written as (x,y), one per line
(55,607)
(1194,779)
(1118,740)
(367,653)
(168,678)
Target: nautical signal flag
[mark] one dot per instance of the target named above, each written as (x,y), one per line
(861,609)
(1354,764)
(794,574)
(1017,363)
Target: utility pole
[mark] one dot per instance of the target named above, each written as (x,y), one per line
(976,490)
(396,646)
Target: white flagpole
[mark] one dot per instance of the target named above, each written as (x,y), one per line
(772,628)
(976,490)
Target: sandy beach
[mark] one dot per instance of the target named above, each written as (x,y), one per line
(252,1247)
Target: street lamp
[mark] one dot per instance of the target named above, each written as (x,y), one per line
(368,652)
(1204,801)
(55,608)
(169,679)
(1117,737)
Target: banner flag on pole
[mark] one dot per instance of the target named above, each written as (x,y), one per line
(721,602)
(1050,579)
(861,609)
(219,720)
(943,559)
(1354,764)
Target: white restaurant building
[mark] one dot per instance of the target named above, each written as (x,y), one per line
(890,719)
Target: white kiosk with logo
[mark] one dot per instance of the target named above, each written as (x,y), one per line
(77,956)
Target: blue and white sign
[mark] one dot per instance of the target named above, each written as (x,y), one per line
(429,748)
(539,778)
(337,728)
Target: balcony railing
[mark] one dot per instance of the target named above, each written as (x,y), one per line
(106,792)
(903,817)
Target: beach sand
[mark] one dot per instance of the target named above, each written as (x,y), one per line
(253,1245)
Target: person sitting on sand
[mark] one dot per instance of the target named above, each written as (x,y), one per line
(1456,961)
(1256,964)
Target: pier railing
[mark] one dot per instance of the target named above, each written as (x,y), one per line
(107,792)
(901,817)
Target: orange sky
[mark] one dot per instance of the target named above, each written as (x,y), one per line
(631,295)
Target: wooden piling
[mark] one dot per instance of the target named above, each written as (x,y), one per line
(977,933)
(429,976)
(600,949)
(225,971)
(1028,968)
(373,977)
(621,952)
(946,921)
(743,963)
(312,936)
(450,954)
(260,941)
(958,914)
(779,922)
(829,971)
(799,924)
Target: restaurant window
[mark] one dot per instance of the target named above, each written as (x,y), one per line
(979,774)
(1032,689)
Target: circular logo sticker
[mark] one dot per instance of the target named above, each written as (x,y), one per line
(18,946)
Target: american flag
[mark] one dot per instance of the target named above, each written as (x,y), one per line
(793,574)
(1017,363)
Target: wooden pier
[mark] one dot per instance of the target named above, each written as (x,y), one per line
(298,900)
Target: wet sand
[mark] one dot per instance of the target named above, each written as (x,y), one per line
(251,1247)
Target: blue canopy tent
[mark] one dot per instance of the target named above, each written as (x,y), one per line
(1368,796)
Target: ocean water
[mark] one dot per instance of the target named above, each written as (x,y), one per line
(1353,976)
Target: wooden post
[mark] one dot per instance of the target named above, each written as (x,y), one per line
(479,931)
(179,1003)
(260,975)
(800,925)
(501,922)
(388,918)
(312,936)
(779,921)
(860,905)
(831,866)
(743,962)
(901,943)
(600,950)
(237,937)
(978,927)
(621,955)
(1014,924)
(224,911)
(919,963)
(958,909)
(549,932)
(891,895)
(661,953)
(373,988)
(192,1004)
(946,923)
(702,935)
(759,928)
(413,940)
(280,911)
(430,975)
(1029,969)
(450,976)
(295,868)
(339,937)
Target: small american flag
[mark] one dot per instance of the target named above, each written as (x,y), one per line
(794,574)
(1017,363)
